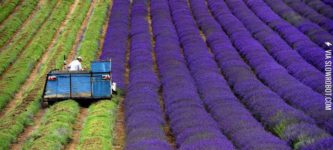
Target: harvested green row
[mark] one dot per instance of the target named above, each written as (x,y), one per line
(21,69)
(97,132)
(56,127)
(90,43)
(6,8)
(12,24)
(14,122)
(9,53)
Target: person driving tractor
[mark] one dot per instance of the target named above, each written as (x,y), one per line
(75,65)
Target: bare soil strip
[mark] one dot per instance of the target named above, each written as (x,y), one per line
(167,130)
(27,84)
(75,139)
(119,130)
(28,130)
(40,3)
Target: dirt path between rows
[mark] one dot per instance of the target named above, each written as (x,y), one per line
(119,130)
(37,119)
(39,5)
(32,77)
(75,139)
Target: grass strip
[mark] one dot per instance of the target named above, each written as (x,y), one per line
(21,69)
(14,122)
(10,52)
(13,23)
(56,127)
(6,8)
(90,44)
(97,132)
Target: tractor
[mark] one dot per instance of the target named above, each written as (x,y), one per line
(95,84)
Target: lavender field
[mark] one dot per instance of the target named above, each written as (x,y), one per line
(191,74)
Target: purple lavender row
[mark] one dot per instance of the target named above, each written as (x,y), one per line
(288,123)
(320,7)
(143,114)
(278,48)
(275,76)
(233,118)
(192,126)
(328,2)
(301,43)
(317,34)
(115,44)
(311,14)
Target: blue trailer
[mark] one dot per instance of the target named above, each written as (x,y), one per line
(79,85)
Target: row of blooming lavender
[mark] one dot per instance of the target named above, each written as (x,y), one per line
(143,114)
(116,37)
(192,126)
(320,7)
(310,51)
(314,31)
(265,104)
(236,122)
(278,48)
(271,73)
(311,14)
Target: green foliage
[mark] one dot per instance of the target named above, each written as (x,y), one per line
(13,123)
(9,53)
(21,69)
(6,8)
(90,43)
(56,127)
(97,129)
(12,24)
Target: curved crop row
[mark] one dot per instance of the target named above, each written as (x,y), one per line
(143,114)
(13,122)
(317,34)
(9,53)
(279,117)
(311,14)
(56,127)
(320,7)
(278,48)
(91,38)
(97,130)
(7,7)
(9,27)
(190,123)
(115,42)
(215,92)
(300,42)
(12,80)
(293,91)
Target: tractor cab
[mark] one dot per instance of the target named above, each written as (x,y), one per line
(79,85)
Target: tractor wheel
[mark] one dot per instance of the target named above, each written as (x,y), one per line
(45,104)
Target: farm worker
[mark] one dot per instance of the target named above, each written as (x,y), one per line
(75,65)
